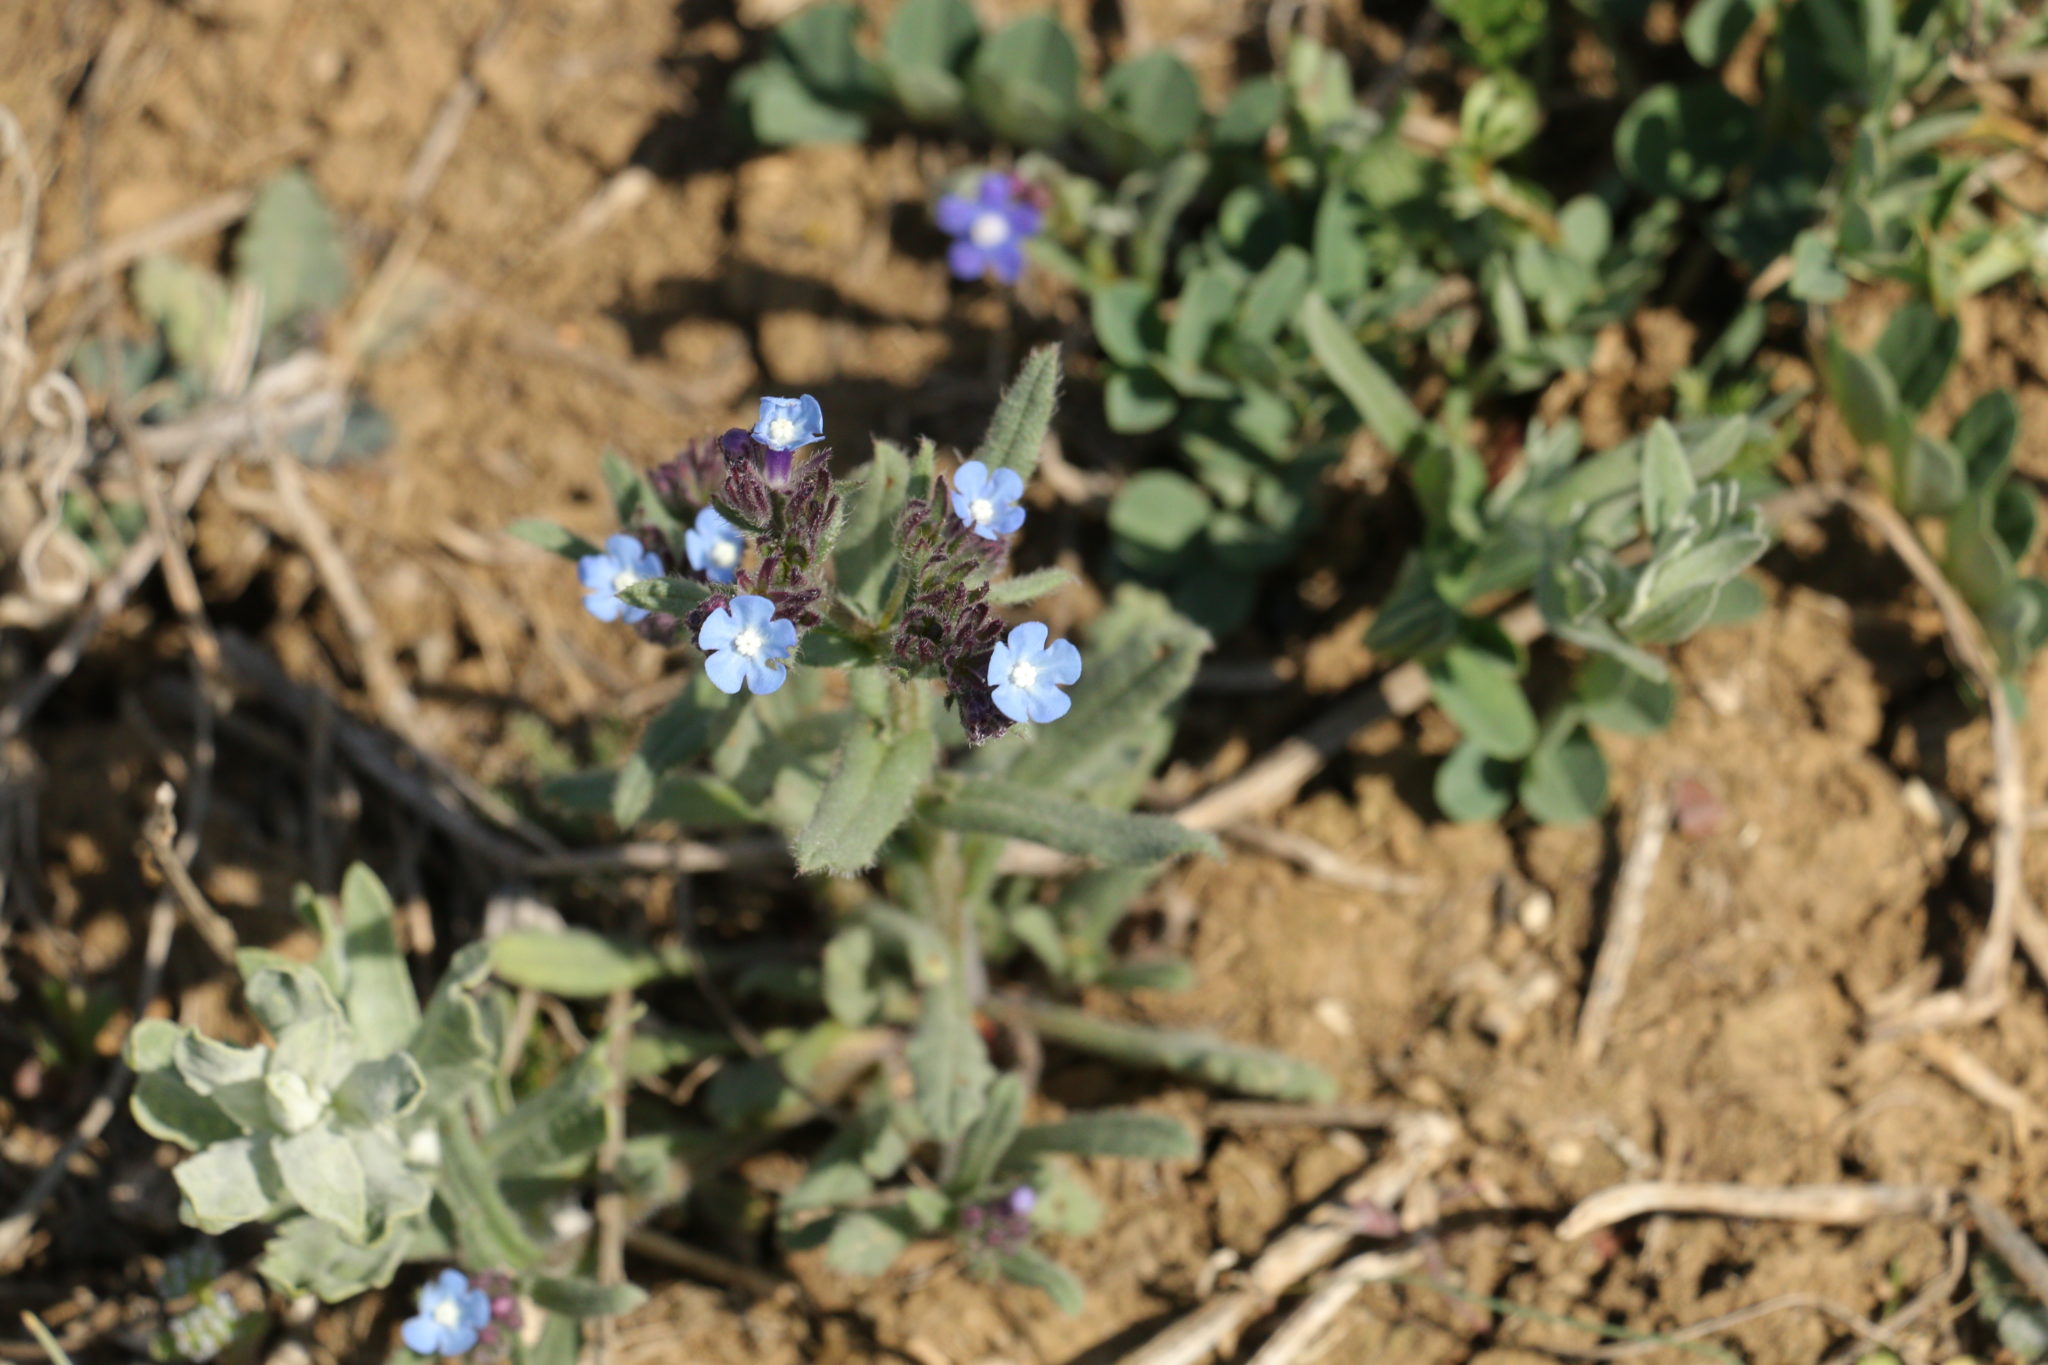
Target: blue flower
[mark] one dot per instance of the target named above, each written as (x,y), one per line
(986,501)
(989,230)
(1027,674)
(625,561)
(787,423)
(744,643)
(451,1314)
(714,546)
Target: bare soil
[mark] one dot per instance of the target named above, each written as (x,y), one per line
(1833,852)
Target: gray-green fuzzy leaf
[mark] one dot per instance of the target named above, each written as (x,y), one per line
(870,792)
(583,1299)
(1109,1132)
(382,1006)
(324,1178)
(291,248)
(1017,432)
(987,806)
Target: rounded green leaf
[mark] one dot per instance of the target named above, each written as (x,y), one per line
(1617,697)
(1481,690)
(1684,142)
(1471,787)
(1160,511)
(1565,780)
(1026,80)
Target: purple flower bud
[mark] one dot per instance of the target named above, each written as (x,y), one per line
(1022,1200)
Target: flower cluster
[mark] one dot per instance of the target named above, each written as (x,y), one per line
(202,1332)
(753,516)
(999,1225)
(457,1316)
(990,229)
(209,1326)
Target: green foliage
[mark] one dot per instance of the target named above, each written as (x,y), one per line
(368,1127)
(291,259)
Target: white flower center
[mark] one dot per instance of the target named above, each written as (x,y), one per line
(981,509)
(782,432)
(724,554)
(448,1312)
(749,643)
(989,230)
(622,580)
(1024,675)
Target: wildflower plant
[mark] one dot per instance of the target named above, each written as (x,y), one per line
(370,1130)
(961,790)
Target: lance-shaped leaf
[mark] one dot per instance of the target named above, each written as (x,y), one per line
(455,1047)
(556,1130)
(867,544)
(1013,592)
(488,1230)
(382,1006)
(1668,484)
(1248,1070)
(165,1107)
(1028,1265)
(1017,432)
(1919,348)
(550,537)
(1109,1132)
(871,790)
(948,1062)
(1565,780)
(988,806)
(579,964)
(1864,391)
(583,1299)
(1984,436)
(1386,411)
(992,1134)
(675,596)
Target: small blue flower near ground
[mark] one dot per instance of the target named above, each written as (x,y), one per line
(987,501)
(450,1317)
(989,230)
(714,546)
(625,561)
(1027,674)
(744,643)
(787,423)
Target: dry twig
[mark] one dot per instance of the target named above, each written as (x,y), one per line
(2013,918)
(1625,916)
(2020,1253)
(1422,1142)
(1833,1205)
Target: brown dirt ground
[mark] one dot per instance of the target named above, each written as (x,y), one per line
(1823,739)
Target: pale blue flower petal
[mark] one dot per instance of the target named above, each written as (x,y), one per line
(717,631)
(1013,701)
(422,1336)
(750,609)
(1046,703)
(605,606)
(1006,522)
(971,479)
(764,677)
(1028,639)
(1062,663)
(727,671)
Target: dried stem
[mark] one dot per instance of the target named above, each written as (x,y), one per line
(1834,1205)
(1624,924)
